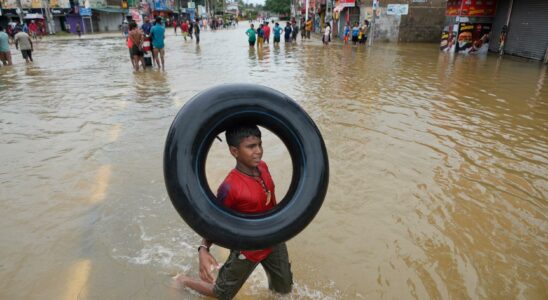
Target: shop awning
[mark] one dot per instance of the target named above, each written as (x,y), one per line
(111,10)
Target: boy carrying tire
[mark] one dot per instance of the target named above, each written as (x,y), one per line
(248,188)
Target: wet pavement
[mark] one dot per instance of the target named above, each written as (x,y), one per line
(438,164)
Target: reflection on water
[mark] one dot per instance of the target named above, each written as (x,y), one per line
(438,169)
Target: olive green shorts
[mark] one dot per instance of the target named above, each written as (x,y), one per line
(236,270)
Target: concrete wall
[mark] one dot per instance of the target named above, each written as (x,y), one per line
(424,22)
(387,27)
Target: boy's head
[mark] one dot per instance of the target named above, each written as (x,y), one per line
(235,134)
(244,143)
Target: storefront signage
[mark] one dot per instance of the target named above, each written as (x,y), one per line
(347,3)
(473,38)
(191,12)
(9,4)
(397,9)
(85,12)
(471,8)
(33,16)
(160,5)
(144,8)
(448,38)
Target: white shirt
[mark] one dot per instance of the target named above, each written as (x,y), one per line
(327,30)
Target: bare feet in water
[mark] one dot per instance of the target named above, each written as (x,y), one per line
(179,281)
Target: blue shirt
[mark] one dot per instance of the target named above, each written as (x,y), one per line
(346,30)
(4,45)
(355,31)
(157,33)
(277,31)
(287,31)
(146,28)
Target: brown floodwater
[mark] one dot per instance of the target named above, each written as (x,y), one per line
(438,166)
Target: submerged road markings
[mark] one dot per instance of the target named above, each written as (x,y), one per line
(114,132)
(99,189)
(77,280)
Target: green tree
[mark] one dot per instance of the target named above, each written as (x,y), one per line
(278,6)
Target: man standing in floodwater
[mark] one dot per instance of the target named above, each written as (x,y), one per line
(5,53)
(277,34)
(135,39)
(78,30)
(125,28)
(184,29)
(251,35)
(33,30)
(197,31)
(266,30)
(308,28)
(287,33)
(24,42)
(248,188)
(157,33)
(146,26)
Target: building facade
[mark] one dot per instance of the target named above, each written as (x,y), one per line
(507,26)
(395,20)
(527,28)
(37,11)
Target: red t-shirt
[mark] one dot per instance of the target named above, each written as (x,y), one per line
(246,194)
(184,27)
(266,31)
(33,27)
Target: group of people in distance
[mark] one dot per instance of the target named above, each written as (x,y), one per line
(357,33)
(261,35)
(136,38)
(188,29)
(23,42)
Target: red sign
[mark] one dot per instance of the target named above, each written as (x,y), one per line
(471,8)
(347,3)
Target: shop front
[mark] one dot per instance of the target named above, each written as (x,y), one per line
(345,12)
(164,10)
(521,28)
(468,26)
(108,18)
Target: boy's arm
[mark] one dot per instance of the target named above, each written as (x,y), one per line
(207,262)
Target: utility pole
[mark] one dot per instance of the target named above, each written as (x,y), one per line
(306,12)
(20,11)
(49,17)
(372,33)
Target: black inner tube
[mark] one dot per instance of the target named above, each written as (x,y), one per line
(190,137)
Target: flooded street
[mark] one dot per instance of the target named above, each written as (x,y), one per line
(438,186)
